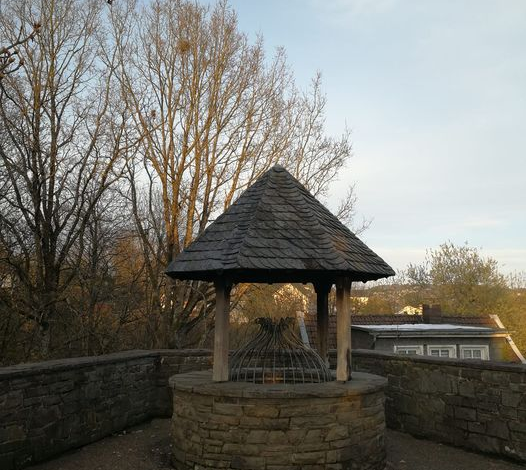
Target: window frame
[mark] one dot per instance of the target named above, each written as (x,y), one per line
(484,348)
(450,347)
(419,349)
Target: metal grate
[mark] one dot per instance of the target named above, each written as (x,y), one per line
(277,355)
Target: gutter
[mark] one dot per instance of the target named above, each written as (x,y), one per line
(442,335)
(436,333)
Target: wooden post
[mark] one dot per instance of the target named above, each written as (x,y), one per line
(322,319)
(347,294)
(220,369)
(343,329)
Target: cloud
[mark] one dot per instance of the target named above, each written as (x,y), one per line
(399,258)
(482,222)
(345,11)
(472,223)
(510,259)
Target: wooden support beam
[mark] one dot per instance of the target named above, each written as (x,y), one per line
(343,329)
(220,368)
(322,319)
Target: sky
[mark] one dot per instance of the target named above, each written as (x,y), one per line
(434,93)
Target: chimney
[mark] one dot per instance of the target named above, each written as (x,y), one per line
(431,314)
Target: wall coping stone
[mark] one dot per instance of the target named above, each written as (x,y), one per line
(36,368)
(200,382)
(450,362)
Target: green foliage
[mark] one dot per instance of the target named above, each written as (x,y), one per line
(465,282)
(513,309)
(460,279)
(377,303)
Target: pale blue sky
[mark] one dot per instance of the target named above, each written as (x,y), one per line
(434,92)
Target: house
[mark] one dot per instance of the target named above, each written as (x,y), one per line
(431,334)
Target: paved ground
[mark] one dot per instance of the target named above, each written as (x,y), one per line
(147,447)
(407,453)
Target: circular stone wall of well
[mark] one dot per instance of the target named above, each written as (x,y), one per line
(235,425)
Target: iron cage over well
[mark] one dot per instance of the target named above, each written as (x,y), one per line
(277,355)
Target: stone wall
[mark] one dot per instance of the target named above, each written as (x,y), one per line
(479,405)
(237,425)
(173,362)
(49,407)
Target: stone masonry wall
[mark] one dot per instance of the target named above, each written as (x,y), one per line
(236,425)
(478,405)
(173,362)
(49,407)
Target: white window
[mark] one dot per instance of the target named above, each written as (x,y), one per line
(409,350)
(474,352)
(442,351)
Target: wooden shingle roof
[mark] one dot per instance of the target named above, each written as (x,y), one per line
(278,232)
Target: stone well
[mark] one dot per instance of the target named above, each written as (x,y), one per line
(236,425)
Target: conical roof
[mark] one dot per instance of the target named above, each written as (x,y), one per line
(278,232)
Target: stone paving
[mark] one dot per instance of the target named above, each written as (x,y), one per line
(147,447)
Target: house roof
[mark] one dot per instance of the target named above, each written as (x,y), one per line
(422,327)
(278,232)
(400,319)
(403,324)
(428,330)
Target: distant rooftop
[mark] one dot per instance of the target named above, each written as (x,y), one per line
(403,319)
(404,324)
(422,327)
(430,330)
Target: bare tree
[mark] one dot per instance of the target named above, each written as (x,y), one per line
(123,133)
(60,133)
(10,61)
(212,113)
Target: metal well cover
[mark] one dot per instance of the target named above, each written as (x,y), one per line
(277,355)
